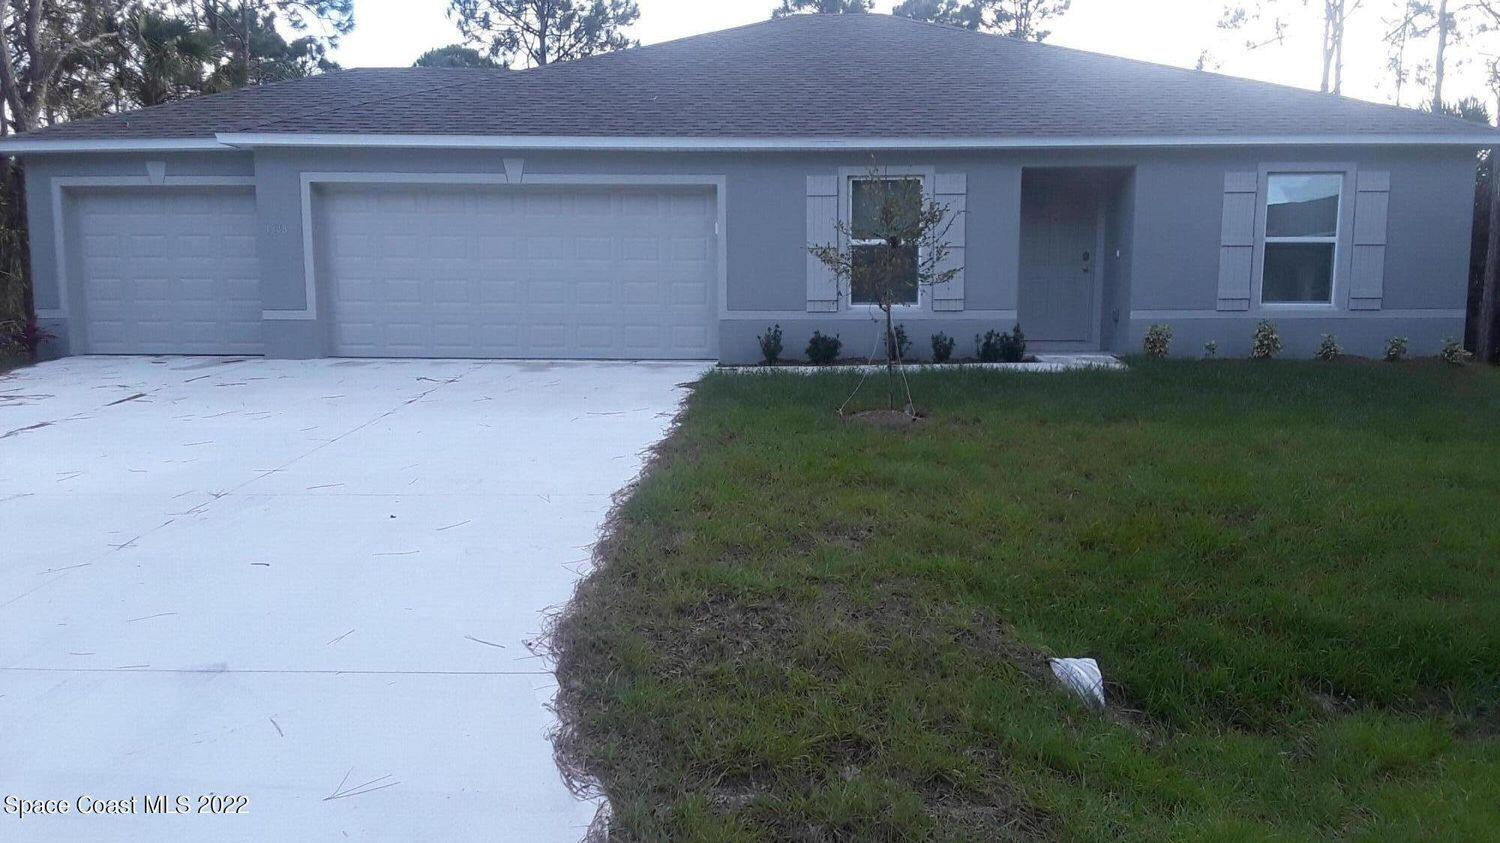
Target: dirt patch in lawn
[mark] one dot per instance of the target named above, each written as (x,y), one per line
(886,419)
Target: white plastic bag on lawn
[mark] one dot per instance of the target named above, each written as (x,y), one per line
(1082,677)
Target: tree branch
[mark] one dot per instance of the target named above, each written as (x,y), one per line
(8,84)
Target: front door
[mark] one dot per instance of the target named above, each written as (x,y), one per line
(1059,266)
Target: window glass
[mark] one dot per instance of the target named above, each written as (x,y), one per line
(880,267)
(1298,272)
(1303,205)
(872,199)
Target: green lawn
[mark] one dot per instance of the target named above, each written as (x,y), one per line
(806,628)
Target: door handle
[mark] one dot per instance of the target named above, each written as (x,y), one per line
(1087,257)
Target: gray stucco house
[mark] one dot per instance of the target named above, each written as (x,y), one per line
(657,202)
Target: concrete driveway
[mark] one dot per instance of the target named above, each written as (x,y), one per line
(309,584)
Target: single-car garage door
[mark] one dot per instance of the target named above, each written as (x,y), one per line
(531,272)
(167,271)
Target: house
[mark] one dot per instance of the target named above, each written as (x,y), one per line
(658,202)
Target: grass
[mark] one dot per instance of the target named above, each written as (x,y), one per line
(804,628)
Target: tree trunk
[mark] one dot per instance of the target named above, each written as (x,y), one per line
(1444,24)
(1328,43)
(543,17)
(1484,331)
(1338,49)
(245,39)
(890,359)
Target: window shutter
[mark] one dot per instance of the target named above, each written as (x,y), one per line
(951,189)
(1237,240)
(1372,202)
(822,218)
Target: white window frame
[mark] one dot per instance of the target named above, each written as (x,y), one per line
(924,177)
(1345,224)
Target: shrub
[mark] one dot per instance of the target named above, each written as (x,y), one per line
(1210,349)
(1454,353)
(942,347)
(1395,349)
(995,347)
(1158,340)
(903,344)
(24,338)
(823,349)
(770,345)
(1266,343)
(1328,348)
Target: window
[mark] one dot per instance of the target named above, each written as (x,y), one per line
(884,265)
(1302,233)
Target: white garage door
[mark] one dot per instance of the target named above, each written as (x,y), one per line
(540,272)
(168,271)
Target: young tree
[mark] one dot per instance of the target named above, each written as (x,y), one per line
(1022,19)
(899,246)
(455,55)
(822,7)
(540,32)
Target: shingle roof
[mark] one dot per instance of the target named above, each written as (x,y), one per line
(805,76)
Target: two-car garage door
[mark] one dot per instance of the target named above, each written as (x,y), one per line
(513,271)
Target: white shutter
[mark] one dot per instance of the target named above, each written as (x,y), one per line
(822,229)
(1237,241)
(951,189)
(1372,202)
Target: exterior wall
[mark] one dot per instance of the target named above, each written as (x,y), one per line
(1164,224)
(1178,209)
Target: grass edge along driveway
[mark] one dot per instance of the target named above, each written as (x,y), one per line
(805,628)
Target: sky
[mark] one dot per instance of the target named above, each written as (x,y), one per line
(392,33)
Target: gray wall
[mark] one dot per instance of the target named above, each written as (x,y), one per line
(1165,221)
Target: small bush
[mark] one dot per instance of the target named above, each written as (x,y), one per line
(1395,349)
(995,347)
(942,347)
(1210,349)
(23,339)
(823,349)
(1328,348)
(1158,340)
(1266,343)
(903,344)
(770,345)
(1454,353)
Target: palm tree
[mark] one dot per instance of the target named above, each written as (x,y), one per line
(169,58)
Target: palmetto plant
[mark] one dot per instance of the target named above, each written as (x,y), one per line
(170,56)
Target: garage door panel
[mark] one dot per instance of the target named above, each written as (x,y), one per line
(168,271)
(519,272)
